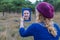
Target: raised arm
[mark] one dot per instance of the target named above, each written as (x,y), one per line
(27,32)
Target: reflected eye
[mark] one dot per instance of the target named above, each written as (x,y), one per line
(26,13)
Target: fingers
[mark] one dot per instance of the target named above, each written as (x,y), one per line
(22,18)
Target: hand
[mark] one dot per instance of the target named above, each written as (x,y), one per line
(21,22)
(22,19)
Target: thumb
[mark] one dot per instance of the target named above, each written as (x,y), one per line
(22,18)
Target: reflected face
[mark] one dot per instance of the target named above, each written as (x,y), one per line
(26,14)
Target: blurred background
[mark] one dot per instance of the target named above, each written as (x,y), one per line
(10,13)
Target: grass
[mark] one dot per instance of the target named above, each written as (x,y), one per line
(10,25)
(2,28)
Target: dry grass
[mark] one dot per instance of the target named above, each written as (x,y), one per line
(57,18)
(9,26)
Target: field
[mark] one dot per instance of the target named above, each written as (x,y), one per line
(9,26)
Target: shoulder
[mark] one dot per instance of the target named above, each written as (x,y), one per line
(36,25)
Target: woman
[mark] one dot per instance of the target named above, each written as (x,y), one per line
(26,14)
(44,28)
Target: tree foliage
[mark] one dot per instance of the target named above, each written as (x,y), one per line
(17,5)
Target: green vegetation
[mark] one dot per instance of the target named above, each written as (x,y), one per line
(17,5)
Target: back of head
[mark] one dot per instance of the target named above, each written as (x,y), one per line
(46,9)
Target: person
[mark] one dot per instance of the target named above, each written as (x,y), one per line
(26,15)
(44,28)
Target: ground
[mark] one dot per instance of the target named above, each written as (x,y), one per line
(9,26)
